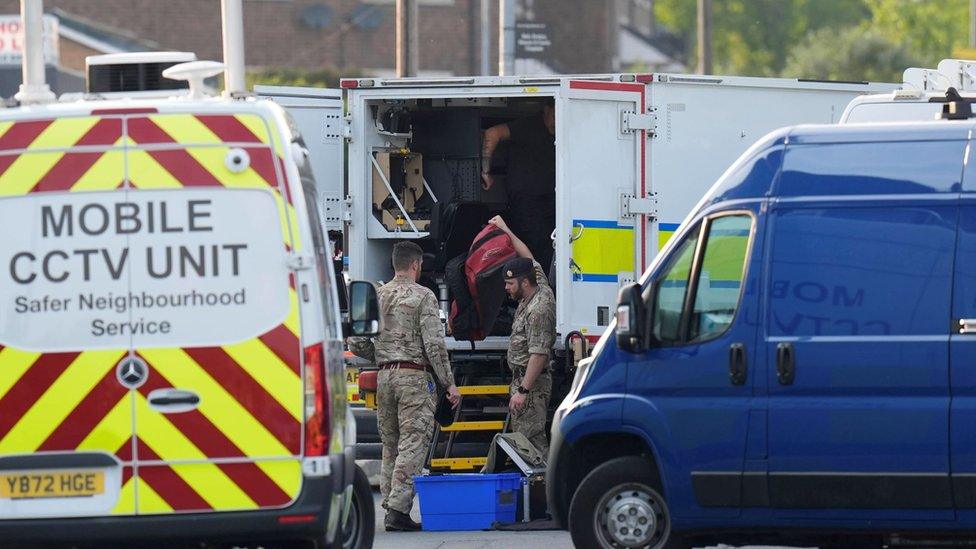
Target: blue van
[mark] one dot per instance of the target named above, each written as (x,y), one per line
(800,360)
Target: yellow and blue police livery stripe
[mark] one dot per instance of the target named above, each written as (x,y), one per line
(603,250)
(606,248)
(664,233)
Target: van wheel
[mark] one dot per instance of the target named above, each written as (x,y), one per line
(619,505)
(358,531)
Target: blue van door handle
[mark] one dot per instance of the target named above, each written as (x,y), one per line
(737,364)
(785,364)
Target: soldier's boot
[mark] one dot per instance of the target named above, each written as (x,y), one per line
(397,521)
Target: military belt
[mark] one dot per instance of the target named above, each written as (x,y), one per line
(403,366)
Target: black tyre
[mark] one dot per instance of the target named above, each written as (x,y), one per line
(620,505)
(359,528)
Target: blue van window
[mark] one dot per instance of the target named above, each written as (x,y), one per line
(718,272)
(860,271)
(906,167)
(671,290)
(720,277)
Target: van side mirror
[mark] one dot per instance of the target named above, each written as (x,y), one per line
(364,310)
(631,319)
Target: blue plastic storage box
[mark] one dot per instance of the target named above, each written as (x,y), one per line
(467,501)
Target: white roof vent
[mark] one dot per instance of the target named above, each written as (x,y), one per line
(194,73)
(133,71)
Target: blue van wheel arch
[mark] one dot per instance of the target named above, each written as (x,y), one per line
(594,428)
(590,451)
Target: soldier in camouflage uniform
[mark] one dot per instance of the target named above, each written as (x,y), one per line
(408,351)
(533,334)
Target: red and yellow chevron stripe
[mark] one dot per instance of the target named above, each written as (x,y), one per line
(240,448)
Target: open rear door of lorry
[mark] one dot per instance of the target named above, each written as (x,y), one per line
(317,113)
(602,211)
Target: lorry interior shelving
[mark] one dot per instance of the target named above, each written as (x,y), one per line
(425,167)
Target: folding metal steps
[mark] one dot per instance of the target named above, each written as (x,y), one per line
(482,413)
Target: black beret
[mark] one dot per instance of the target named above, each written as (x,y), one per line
(520,266)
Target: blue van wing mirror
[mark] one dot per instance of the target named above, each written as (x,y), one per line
(631,319)
(364,310)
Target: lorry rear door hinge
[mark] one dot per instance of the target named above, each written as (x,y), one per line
(347,127)
(631,206)
(347,210)
(631,122)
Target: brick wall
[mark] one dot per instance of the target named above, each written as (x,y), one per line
(73,54)
(275,36)
(579,30)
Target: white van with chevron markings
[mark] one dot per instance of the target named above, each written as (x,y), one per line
(170,340)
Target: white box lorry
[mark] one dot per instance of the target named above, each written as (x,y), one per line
(633,155)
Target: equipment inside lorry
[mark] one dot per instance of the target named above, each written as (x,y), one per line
(400,192)
(425,171)
(440,146)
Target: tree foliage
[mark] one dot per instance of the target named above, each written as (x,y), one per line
(754,37)
(931,29)
(289,76)
(770,37)
(849,54)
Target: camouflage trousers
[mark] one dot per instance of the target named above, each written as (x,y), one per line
(531,420)
(405,401)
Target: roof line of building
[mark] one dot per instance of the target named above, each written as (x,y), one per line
(99,36)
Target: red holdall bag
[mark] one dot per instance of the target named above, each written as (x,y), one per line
(477,284)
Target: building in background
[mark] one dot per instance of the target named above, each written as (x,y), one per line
(68,40)
(11,54)
(642,44)
(356,36)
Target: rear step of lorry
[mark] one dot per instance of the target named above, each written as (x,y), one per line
(482,413)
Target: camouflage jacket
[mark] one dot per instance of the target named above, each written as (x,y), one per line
(412,330)
(534,326)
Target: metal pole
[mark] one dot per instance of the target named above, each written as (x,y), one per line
(972,23)
(34,89)
(486,37)
(506,37)
(232,19)
(704,36)
(407,50)
(401,38)
(413,23)
(650,17)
